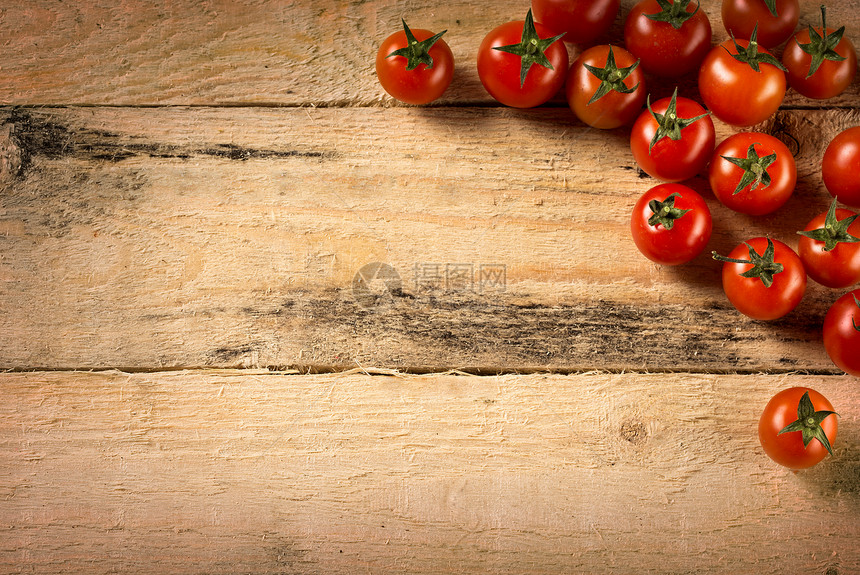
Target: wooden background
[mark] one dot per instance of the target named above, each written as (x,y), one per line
(191,384)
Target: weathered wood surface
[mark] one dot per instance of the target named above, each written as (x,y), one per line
(137,52)
(233,167)
(222,472)
(226,237)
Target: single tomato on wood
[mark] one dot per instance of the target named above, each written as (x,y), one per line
(671,224)
(821,62)
(521,64)
(797,428)
(776,19)
(415,66)
(741,83)
(670,36)
(766,284)
(605,88)
(830,248)
(673,139)
(581,21)
(752,173)
(841,165)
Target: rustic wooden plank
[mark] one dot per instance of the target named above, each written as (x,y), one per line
(229,237)
(238,472)
(252,52)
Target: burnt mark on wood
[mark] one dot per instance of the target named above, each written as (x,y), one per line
(465,331)
(38,134)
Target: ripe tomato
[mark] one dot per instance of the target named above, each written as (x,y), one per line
(581,21)
(774,26)
(829,247)
(741,83)
(752,173)
(766,286)
(605,87)
(521,64)
(415,66)
(797,428)
(670,36)
(673,139)
(821,63)
(671,224)
(842,333)
(840,167)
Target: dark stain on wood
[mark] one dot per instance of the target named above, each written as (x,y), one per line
(37,134)
(479,332)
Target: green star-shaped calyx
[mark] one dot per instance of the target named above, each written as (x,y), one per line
(771,7)
(673,13)
(531,48)
(415,52)
(750,55)
(763,266)
(834,231)
(611,77)
(665,212)
(669,125)
(754,167)
(822,46)
(809,423)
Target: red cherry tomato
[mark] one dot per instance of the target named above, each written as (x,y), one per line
(829,247)
(841,166)
(667,159)
(501,72)
(581,21)
(741,16)
(768,173)
(667,50)
(593,73)
(671,224)
(433,60)
(734,91)
(842,333)
(827,74)
(779,284)
(817,423)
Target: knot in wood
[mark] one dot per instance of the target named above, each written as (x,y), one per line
(634,432)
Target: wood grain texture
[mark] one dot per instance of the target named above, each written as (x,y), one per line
(321,53)
(255,472)
(228,237)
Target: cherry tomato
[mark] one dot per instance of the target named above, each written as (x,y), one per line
(741,92)
(521,64)
(415,66)
(671,41)
(752,173)
(842,333)
(829,247)
(821,62)
(797,428)
(764,279)
(671,224)
(581,21)
(605,87)
(741,16)
(655,148)
(840,167)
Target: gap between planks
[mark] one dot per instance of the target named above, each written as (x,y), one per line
(472,371)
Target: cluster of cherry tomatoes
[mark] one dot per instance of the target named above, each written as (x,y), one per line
(525,63)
